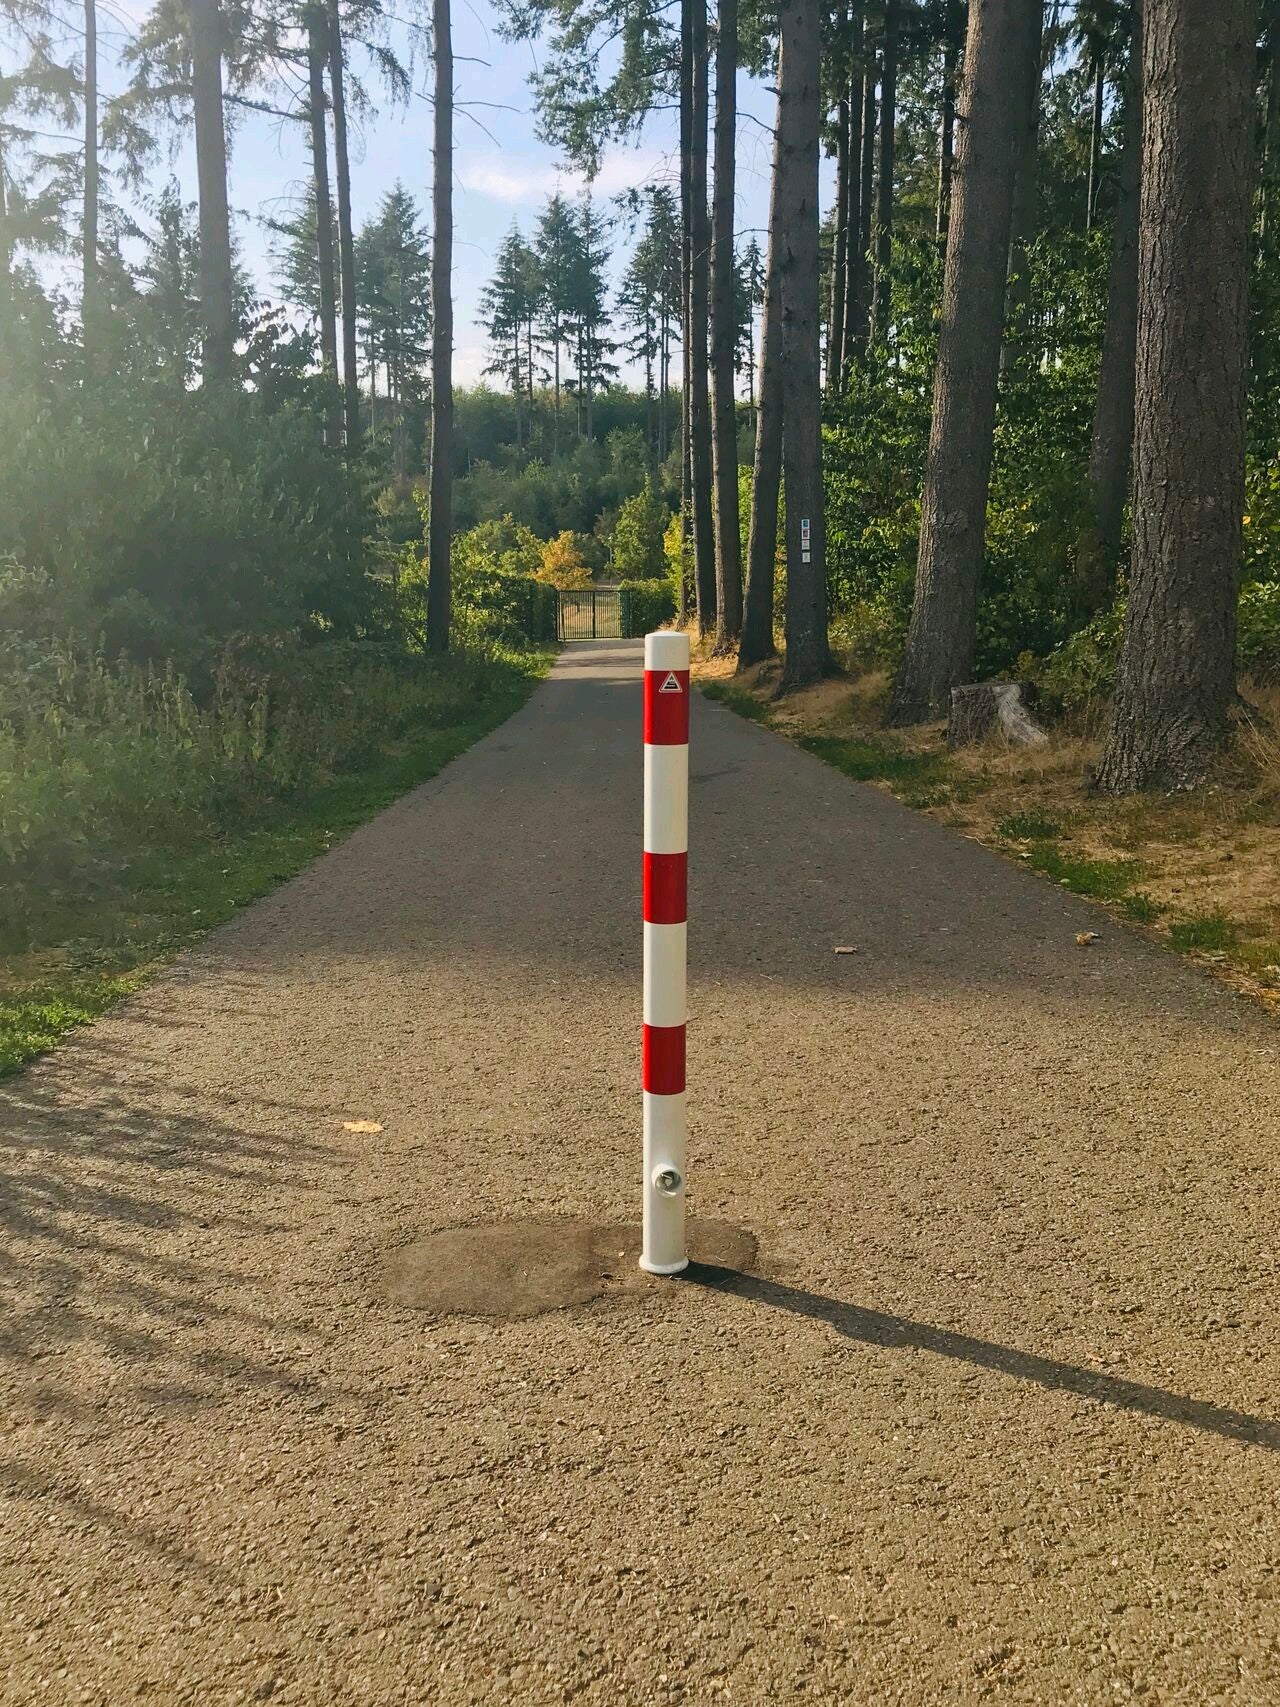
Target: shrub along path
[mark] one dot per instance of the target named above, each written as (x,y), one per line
(997,1418)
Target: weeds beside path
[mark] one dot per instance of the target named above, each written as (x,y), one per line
(76,959)
(1199,872)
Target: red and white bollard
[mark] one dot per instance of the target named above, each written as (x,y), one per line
(666,844)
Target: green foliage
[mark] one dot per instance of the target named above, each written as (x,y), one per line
(1206,932)
(644,606)
(1105,879)
(1258,633)
(745,704)
(868,760)
(636,545)
(1027,827)
(1079,674)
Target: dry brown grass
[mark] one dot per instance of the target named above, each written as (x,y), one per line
(1206,866)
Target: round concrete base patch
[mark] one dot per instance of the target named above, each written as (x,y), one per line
(515,1269)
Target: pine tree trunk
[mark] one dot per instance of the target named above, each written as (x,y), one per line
(216,301)
(756,642)
(859,264)
(346,236)
(1001,49)
(316,56)
(947,130)
(1111,445)
(700,471)
(840,230)
(90,316)
(728,531)
(799,111)
(1095,138)
(1271,129)
(1176,674)
(686,299)
(881,303)
(440,521)
(1026,197)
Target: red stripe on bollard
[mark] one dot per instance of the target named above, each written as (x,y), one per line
(664,1059)
(666,708)
(666,882)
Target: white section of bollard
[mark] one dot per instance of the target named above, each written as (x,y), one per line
(666,799)
(665,961)
(665,1139)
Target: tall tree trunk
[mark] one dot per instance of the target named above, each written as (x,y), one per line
(756,642)
(90,316)
(440,522)
(1271,128)
(1111,445)
(859,262)
(1000,51)
(216,302)
(947,127)
(316,57)
(840,229)
(346,236)
(6,247)
(1026,199)
(686,300)
(700,473)
(881,304)
(799,111)
(1095,137)
(1175,680)
(728,531)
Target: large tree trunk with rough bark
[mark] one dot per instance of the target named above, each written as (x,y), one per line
(317,55)
(1001,48)
(1175,681)
(216,304)
(858,264)
(839,211)
(947,122)
(1111,445)
(346,236)
(728,531)
(882,304)
(756,642)
(700,471)
(440,519)
(1026,199)
(799,110)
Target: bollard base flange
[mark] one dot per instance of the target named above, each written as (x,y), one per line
(664,1267)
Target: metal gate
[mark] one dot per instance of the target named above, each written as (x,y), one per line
(592,614)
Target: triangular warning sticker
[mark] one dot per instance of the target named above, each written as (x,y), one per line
(671,683)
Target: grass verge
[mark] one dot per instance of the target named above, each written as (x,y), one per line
(1199,873)
(165,899)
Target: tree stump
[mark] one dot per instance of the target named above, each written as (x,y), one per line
(981,707)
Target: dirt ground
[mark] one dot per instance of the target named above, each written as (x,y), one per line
(994,1417)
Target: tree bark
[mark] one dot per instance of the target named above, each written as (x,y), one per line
(346,235)
(861,171)
(1271,127)
(440,522)
(1111,444)
(1175,680)
(1026,198)
(881,303)
(1095,138)
(947,128)
(216,300)
(756,643)
(686,302)
(728,532)
(316,57)
(90,316)
(1001,49)
(700,473)
(840,227)
(799,111)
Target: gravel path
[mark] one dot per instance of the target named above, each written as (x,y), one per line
(1000,1420)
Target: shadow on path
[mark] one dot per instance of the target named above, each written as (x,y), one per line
(875,1327)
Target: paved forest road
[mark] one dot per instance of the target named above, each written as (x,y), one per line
(1002,1422)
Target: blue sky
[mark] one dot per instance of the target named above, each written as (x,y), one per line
(503,172)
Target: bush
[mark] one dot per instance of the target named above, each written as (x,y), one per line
(644,606)
(1258,633)
(563,564)
(636,546)
(510,608)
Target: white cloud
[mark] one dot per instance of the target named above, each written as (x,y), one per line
(507,178)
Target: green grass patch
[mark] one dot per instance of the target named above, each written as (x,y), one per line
(1207,932)
(1140,908)
(89,956)
(1028,827)
(918,775)
(745,704)
(1104,879)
